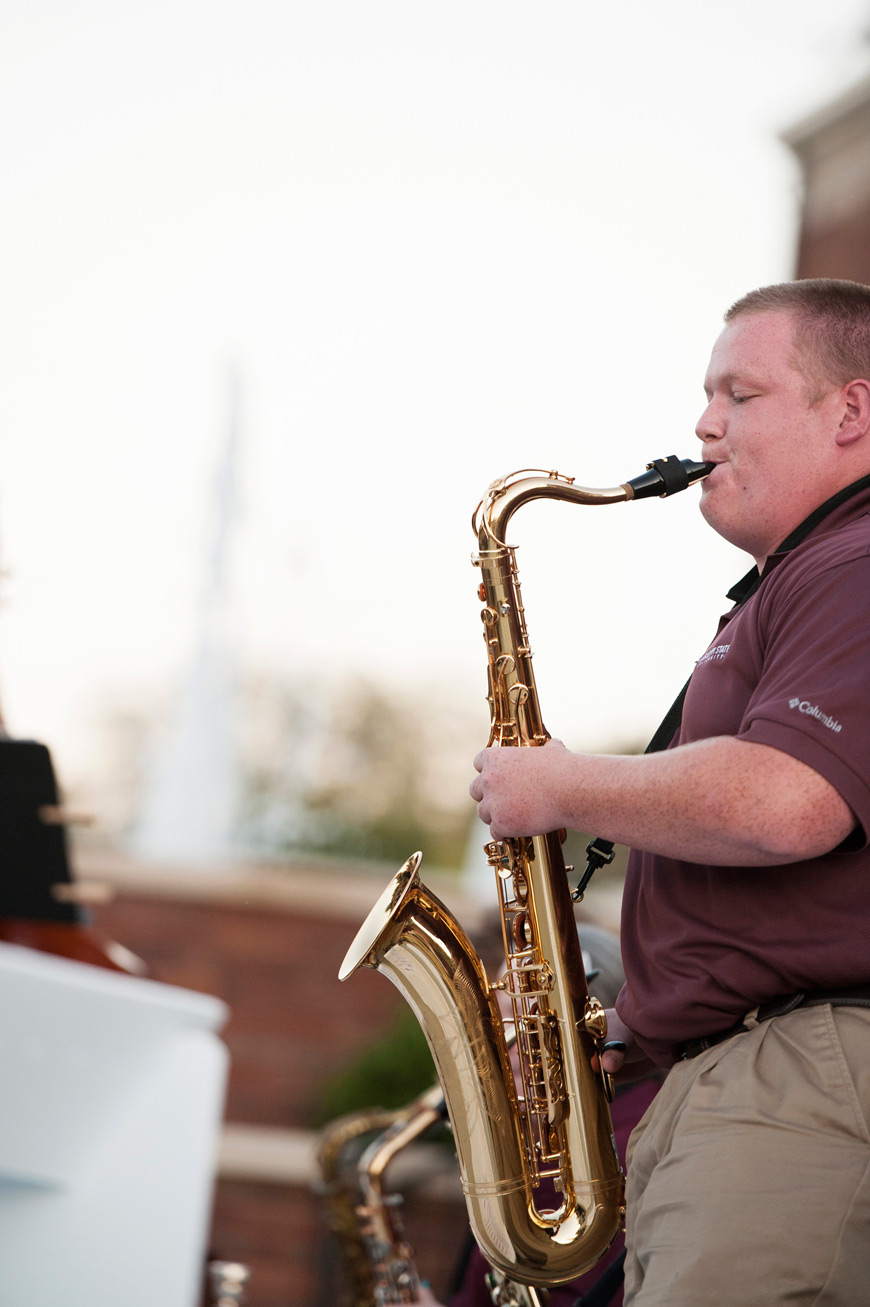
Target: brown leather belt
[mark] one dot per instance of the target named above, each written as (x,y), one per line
(856,996)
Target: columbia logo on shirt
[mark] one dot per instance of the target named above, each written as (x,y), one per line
(812,710)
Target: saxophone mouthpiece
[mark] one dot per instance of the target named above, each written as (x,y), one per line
(666,476)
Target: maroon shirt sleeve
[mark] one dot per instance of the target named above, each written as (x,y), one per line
(813,698)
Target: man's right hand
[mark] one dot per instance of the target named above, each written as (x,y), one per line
(627,1061)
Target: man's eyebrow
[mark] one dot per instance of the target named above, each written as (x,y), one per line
(730,379)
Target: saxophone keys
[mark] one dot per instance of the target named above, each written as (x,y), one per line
(518,693)
(595,1020)
(496,856)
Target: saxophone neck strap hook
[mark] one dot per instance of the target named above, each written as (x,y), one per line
(599,853)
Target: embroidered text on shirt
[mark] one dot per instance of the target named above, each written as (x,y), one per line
(716,654)
(811,710)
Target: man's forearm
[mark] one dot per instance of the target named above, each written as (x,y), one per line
(721,801)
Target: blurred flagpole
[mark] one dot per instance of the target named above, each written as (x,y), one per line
(192,785)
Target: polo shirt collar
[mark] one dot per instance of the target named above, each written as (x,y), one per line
(748,584)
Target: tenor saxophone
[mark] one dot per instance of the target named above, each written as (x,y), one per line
(393,1270)
(338,1188)
(540,1173)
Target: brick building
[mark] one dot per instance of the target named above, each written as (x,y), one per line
(269,942)
(833,148)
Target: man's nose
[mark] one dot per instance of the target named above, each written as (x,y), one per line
(709,424)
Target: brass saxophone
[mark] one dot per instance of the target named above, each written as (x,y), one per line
(554,1130)
(338,1189)
(391,1258)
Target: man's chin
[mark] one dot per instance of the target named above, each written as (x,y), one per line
(708,507)
(715,514)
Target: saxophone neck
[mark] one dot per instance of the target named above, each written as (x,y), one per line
(505,495)
(411,1123)
(392,1259)
(662,477)
(338,1137)
(338,1188)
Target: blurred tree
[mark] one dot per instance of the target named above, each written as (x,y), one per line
(391,1072)
(361,772)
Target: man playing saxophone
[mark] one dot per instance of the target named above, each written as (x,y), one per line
(748,890)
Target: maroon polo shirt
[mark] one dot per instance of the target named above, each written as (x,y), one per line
(790,668)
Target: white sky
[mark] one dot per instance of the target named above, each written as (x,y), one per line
(437,242)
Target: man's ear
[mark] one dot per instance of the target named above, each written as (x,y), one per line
(856,419)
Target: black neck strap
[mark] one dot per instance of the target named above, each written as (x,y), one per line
(748,584)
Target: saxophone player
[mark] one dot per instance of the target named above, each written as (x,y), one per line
(744,932)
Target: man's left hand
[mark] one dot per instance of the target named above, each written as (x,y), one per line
(520,791)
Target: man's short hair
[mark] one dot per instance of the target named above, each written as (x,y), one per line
(832,341)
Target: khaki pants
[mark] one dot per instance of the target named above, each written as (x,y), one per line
(749,1175)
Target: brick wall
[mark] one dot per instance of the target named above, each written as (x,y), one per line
(292,1023)
(270,942)
(271,950)
(832,149)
